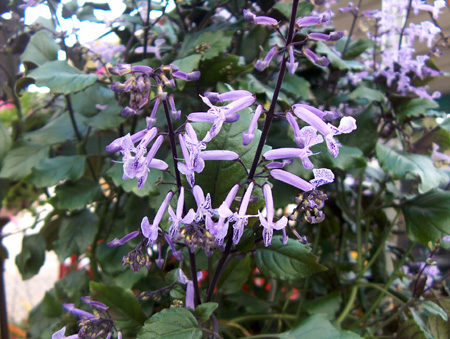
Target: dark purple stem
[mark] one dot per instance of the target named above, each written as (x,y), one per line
(271,113)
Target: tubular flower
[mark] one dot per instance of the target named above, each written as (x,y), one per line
(177,218)
(259,20)
(268,223)
(261,65)
(322,176)
(151,231)
(240,218)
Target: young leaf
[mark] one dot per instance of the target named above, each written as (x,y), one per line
(235,275)
(32,257)
(72,195)
(40,49)
(287,262)
(171,323)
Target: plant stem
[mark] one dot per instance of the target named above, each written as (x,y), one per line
(271,113)
(3,310)
(147,20)
(173,143)
(197,300)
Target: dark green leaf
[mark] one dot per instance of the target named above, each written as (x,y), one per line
(410,330)
(225,68)
(365,136)
(60,77)
(235,275)
(5,141)
(205,310)
(210,43)
(304,8)
(51,171)
(317,327)
(32,257)
(72,195)
(124,306)
(287,262)
(41,48)
(427,216)
(171,323)
(357,47)
(57,130)
(76,234)
(348,158)
(250,44)
(328,305)
(51,306)
(403,165)
(367,94)
(20,160)
(188,64)
(130,185)
(297,86)
(416,107)
(440,329)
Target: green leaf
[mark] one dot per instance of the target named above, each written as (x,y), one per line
(357,47)
(60,77)
(435,309)
(124,307)
(427,216)
(367,94)
(250,44)
(287,262)
(51,307)
(405,165)
(32,257)
(348,158)
(51,171)
(317,327)
(171,323)
(304,8)
(205,310)
(130,185)
(410,330)
(57,130)
(235,275)
(76,234)
(225,68)
(416,107)
(440,329)
(20,160)
(209,43)
(72,195)
(188,64)
(40,49)
(335,60)
(5,141)
(297,86)
(328,305)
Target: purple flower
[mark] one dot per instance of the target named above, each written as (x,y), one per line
(240,218)
(151,231)
(322,176)
(319,61)
(61,334)
(152,49)
(182,279)
(261,65)
(347,125)
(259,20)
(203,204)
(227,96)
(217,115)
(278,164)
(118,242)
(268,223)
(177,218)
(79,313)
(291,64)
(247,137)
(173,110)
(283,153)
(192,76)
(446,238)
(219,229)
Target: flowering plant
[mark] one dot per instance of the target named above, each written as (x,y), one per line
(169,164)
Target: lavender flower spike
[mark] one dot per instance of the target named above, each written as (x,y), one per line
(177,218)
(118,242)
(61,334)
(268,223)
(291,64)
(321,176)
(259,20)
(151,231)
(261,65)
(346,125)
(247,137)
